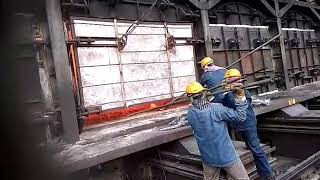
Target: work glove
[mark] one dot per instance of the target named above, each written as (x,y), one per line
(239,92)
(236,87)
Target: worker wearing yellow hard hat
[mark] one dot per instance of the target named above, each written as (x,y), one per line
(208,121)
(247,128)
(212,75)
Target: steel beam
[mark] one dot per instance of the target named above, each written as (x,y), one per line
(268,6)
(195,3)
(282,48)
(62,69)
(285,9)
(300,3)
(315,13)
(206,32)
(212,3)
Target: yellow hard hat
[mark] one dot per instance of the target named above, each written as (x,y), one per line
(205,61)
(232,73)
(194,88)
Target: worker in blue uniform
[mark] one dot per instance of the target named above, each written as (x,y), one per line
(209,124)
(247,128)
(212,76)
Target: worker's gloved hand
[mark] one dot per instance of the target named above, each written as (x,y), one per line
(239,92)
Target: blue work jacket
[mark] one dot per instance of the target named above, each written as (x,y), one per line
(211,79)
(211,132)
(251,121)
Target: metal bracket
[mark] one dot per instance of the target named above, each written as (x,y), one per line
(216,42)
(297,75)
(171,42)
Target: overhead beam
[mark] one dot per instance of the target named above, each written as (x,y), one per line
(300,3)
(315,13)
(62,69)
(212,3)
(285,9)
(195,3)
(268,6)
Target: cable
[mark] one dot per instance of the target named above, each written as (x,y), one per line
(132,27)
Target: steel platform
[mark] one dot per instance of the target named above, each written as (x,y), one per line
(113,140)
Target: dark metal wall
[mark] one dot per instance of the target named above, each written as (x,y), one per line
(302,48)
(236,41)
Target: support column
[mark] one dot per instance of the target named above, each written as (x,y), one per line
(63,73)
(206,32)
(282,48)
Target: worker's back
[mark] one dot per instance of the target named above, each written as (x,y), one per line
(212,135)
(212,79)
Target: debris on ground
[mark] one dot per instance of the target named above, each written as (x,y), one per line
(258,102)
(177,122)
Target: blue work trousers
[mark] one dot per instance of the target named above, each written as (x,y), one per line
(252,142)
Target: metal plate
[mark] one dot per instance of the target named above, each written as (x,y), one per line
(94,29)
(180,31)
(93,56)
(148,99)
(135,72)
(99,75)
(182,53)
(143,57)
(138,43)
(98,95)
(143,89)
(141,29)
(144,63)
(180,83)
(185,68)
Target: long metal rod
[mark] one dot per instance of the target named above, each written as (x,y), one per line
(256,49)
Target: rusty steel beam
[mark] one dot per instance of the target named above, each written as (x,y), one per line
(268,6)
(282,47)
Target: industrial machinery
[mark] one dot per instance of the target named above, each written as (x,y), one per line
(107,76)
